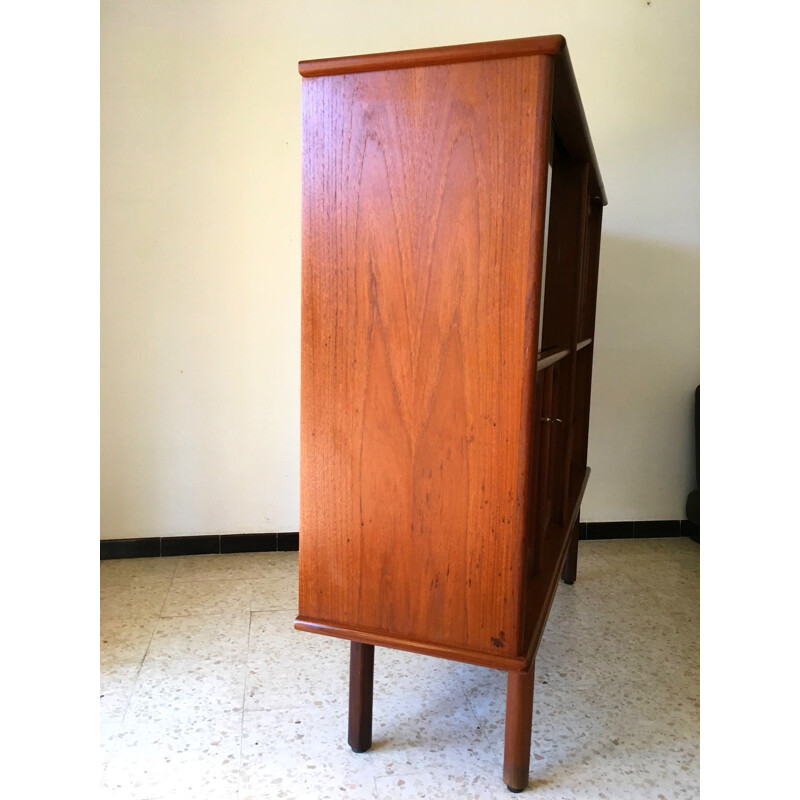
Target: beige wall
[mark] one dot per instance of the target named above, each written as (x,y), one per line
(200,108)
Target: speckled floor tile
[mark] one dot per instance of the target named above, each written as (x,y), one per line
(302,753)
(133,600)
(444,784)
(592,550)
(652,649)
(580,737)
(108,733)
(422,719)
(227,566)
(436,739)
(116,687)
(196,759)
(616,700)
(204,636)
(275,592)
(273,635)
(177,690)
(125,571)
(289,668)
(631,551)
(619,767)
(671,579)
(207,597)
(274,684)
(125,640)
(285,561)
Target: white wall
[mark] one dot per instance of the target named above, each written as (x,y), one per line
(200,197)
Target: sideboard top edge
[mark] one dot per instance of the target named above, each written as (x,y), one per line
(434,56)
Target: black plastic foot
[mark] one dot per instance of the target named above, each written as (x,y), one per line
(569,583)
(356,750)
(516,791)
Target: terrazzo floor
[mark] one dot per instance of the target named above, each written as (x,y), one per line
(208,692)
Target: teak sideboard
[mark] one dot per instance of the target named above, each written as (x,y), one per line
(452,208)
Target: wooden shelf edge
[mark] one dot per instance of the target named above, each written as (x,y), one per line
(579,491)
(434,56)
(479,659)
(546,360)
(575,504)
(584,343)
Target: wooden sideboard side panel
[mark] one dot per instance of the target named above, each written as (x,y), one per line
(415,289)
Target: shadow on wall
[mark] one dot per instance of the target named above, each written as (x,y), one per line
(647,364)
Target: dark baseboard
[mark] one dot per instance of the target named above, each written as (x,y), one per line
(198,545)
(156,546)
(690,529)
(638,529)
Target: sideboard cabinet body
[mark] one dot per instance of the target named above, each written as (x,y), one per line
(451,226)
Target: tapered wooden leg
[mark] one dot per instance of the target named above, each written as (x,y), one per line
(362,664)
(519,714)
(570,570)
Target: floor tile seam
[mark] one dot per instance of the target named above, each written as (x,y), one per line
(209,585)
(201,715)
(166,595)
(127,618)
(637,556)
(130,694)
(147,650)
(122,615)
(272,659)
(163,603)
(265,610)
(233,561)
(112,749)
(302,706)
(139,665)
(130,582)
(292,609)
(221,615)
(284,610)
(127,585)
(244,707)
(231,661)
(241,612)
(400,775)
(214,578)
(262,711)
(133,691)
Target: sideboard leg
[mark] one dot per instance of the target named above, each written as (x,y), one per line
(570,570)
(362,664)
(519,713)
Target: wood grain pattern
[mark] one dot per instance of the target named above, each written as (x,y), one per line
(568,114)
(414,436)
